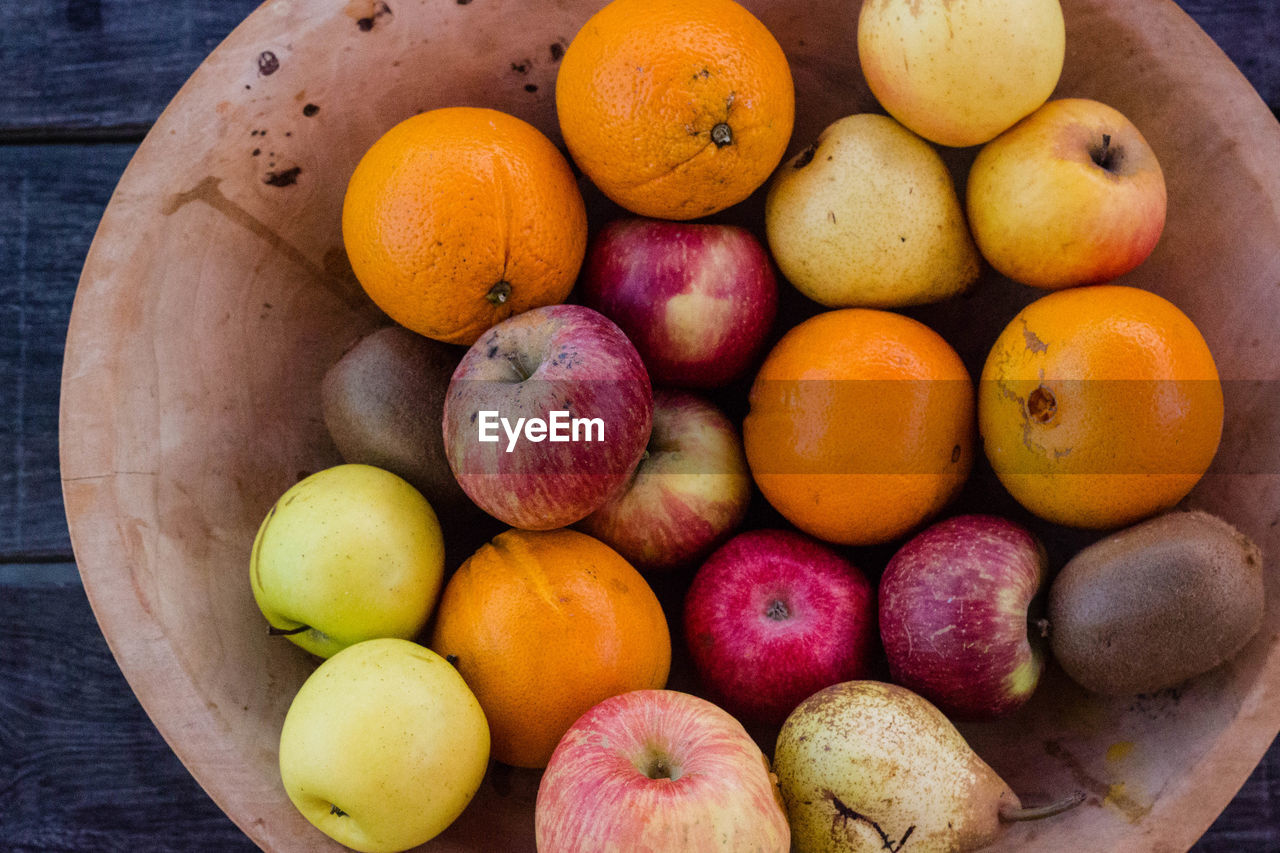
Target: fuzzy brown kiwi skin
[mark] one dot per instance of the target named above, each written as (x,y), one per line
(383,404)
(1155,604)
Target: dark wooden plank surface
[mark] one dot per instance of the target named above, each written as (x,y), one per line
(54,196)
(73,68)
(81,766)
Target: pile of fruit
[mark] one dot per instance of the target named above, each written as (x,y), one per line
(589,413)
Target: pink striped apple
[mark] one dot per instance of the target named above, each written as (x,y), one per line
(659,770)
(697,300)
(954,615)
(690,490)
(546,416)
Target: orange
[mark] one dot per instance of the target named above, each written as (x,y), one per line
(458,218)
(675,109)
(1099,406)
(544,625)
(861,425)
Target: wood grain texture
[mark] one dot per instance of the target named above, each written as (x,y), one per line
(54,196)
(81,765)
(86,65)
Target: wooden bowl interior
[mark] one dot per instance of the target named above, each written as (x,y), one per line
(217,293)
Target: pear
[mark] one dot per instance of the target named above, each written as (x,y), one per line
(960,73)
(868,216)
(870,766)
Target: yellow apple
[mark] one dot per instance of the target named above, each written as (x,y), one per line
(348,554)
(868,217)
(1072,194)
(383,746)
(959,73)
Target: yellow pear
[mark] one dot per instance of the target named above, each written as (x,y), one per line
(383,746)
(961,73)
(868,217)
(866,766)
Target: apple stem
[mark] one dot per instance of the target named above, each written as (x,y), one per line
(1012,815)
(1103,156)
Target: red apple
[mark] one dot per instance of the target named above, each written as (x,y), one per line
(1072,194)
(659,770)
(954,615)
(689,492)
(697,300)
(772,617)
(546,416)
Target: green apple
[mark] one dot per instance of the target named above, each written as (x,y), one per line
(348,554)
(959,73)
(383,746)
(1072,194)
(868,217)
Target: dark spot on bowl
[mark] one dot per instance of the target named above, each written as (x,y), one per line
(284,178)
(310,109)
(257,151)
(268,63)
(531,87)
(557,51)
(521,67)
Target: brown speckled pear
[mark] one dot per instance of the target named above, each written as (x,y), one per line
(217,294)
(867,766)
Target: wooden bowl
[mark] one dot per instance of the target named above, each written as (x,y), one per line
(217,293)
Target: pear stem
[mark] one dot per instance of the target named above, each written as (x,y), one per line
(1009,815)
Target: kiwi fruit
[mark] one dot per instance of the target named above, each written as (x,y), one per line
(383,404)
(1152,605)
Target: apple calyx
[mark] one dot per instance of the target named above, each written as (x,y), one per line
(499,293)
(334,810)
(1009,814)
(722,134)
(778,610)
(273,631)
